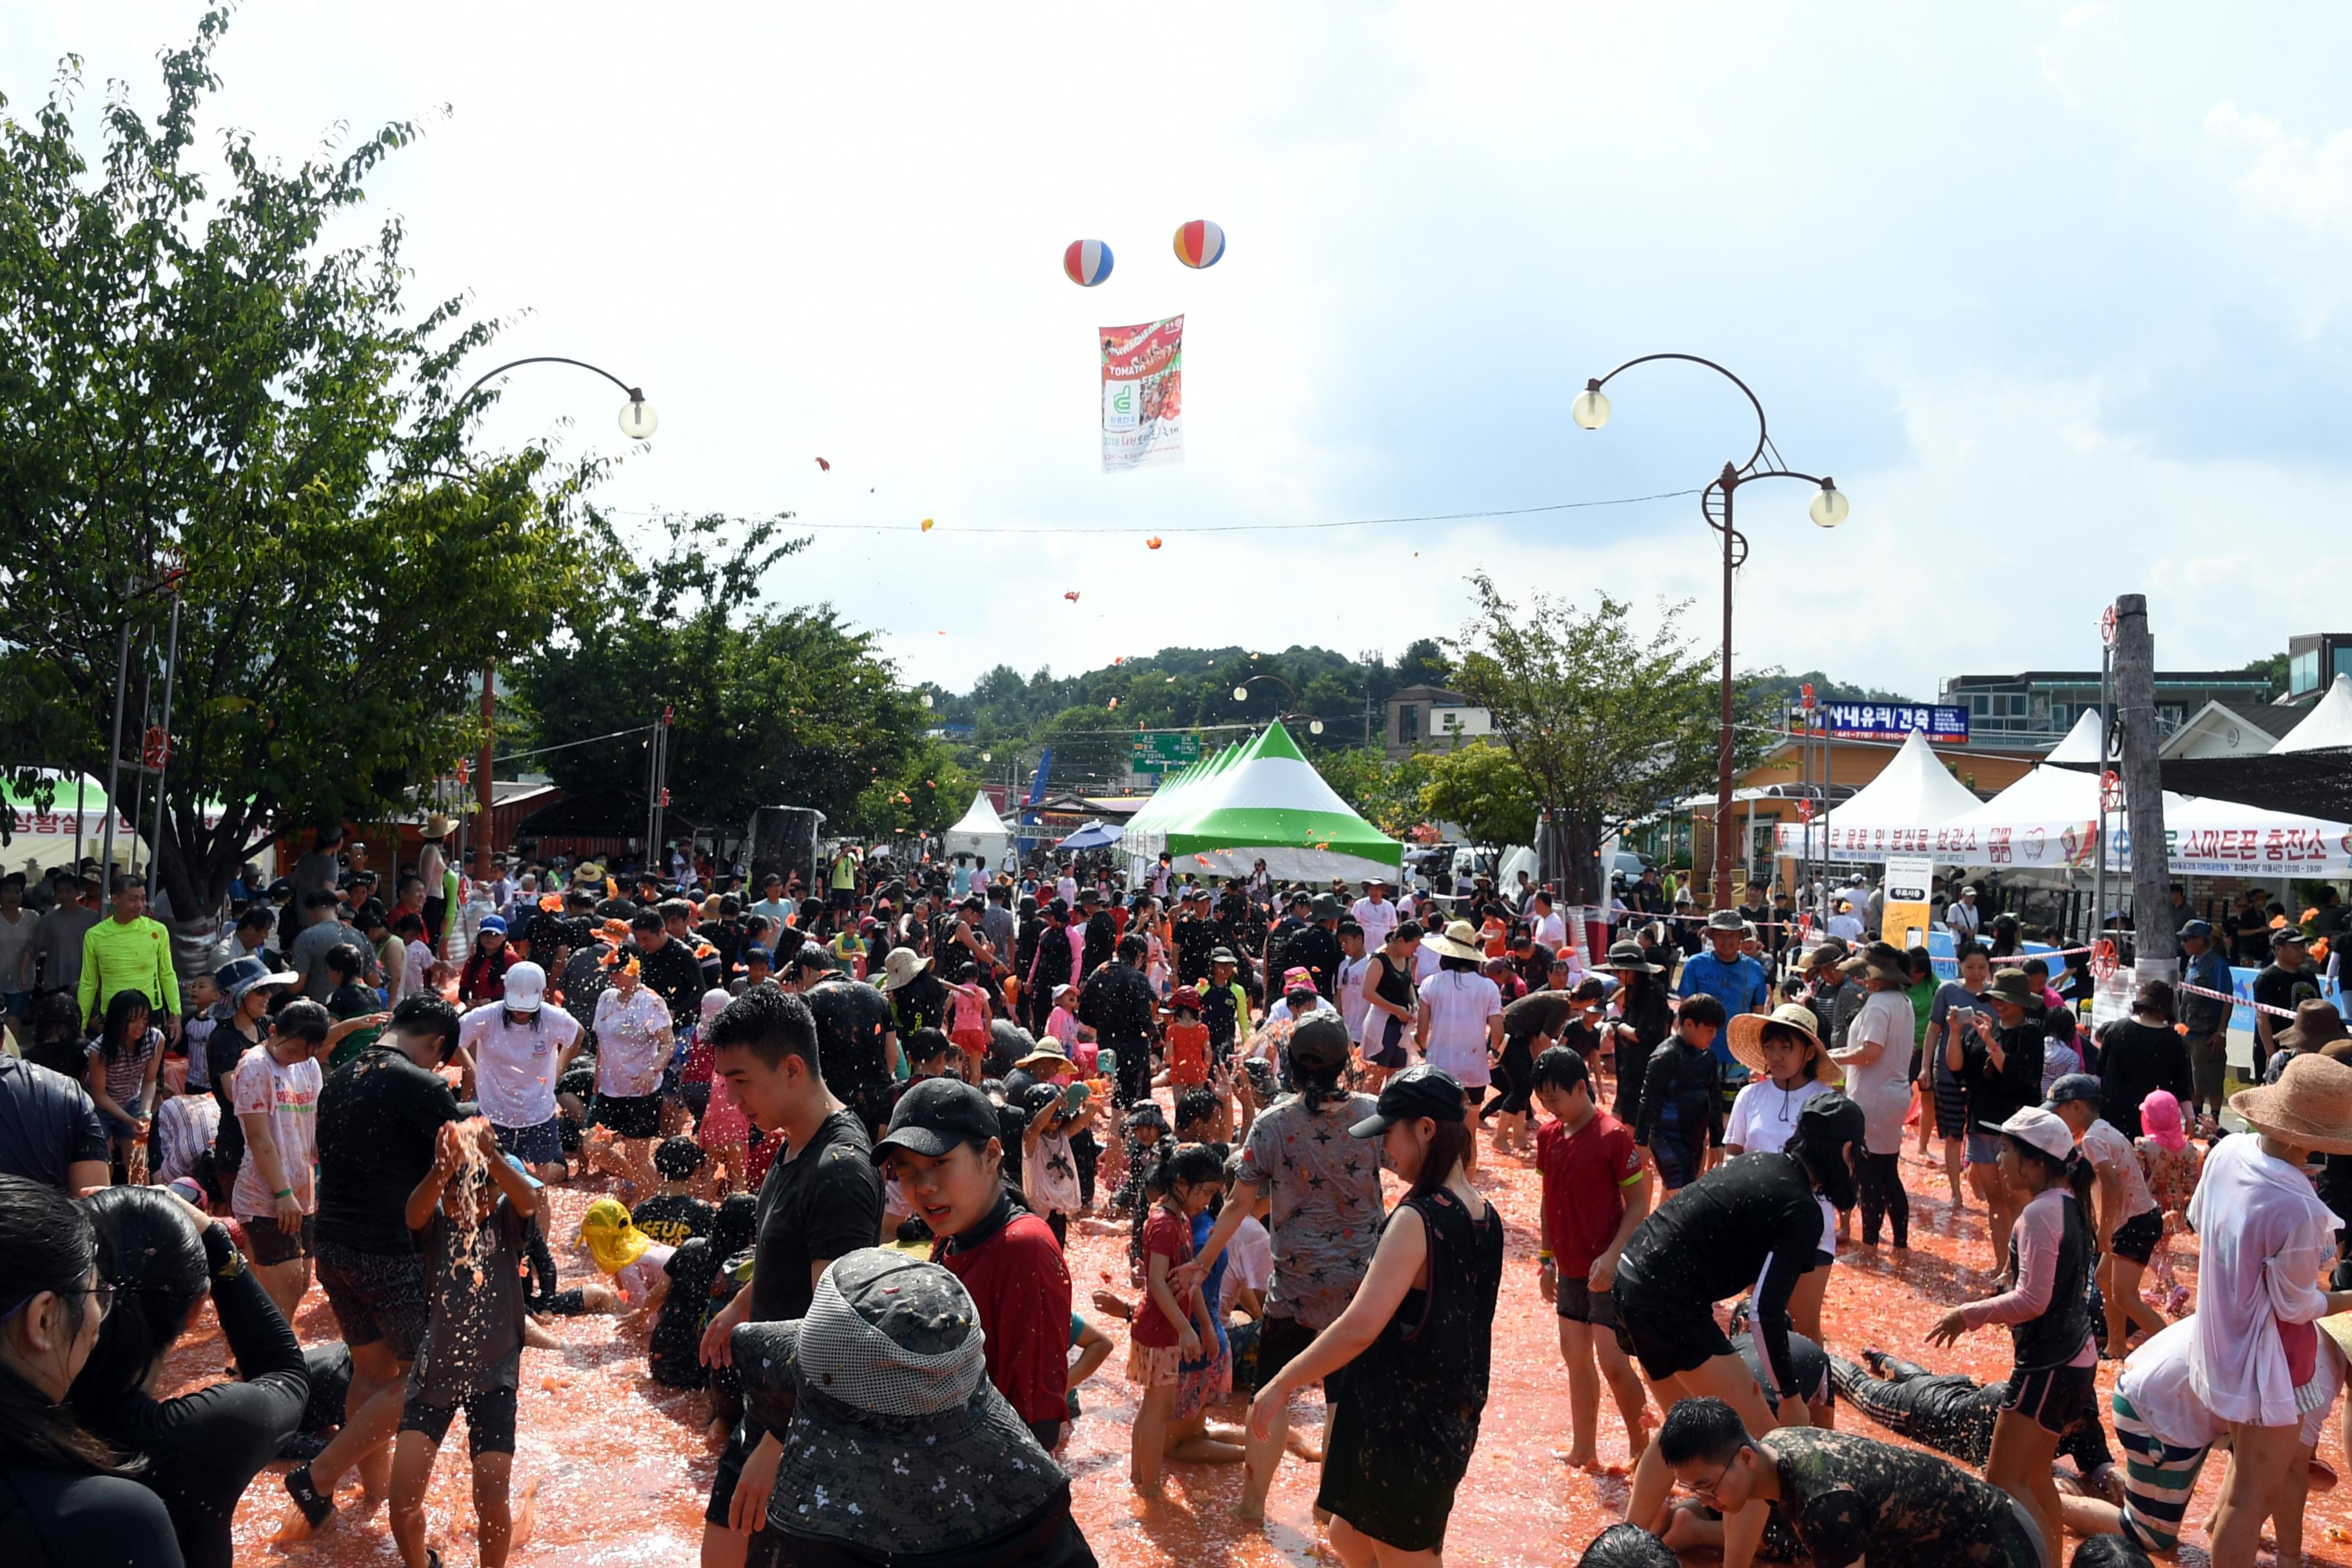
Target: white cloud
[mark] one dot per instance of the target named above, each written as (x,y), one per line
(2289,176)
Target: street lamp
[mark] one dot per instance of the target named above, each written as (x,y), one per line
(1829,508)
(638,422)
(1290,700)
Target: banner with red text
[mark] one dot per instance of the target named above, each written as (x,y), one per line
(1143,395)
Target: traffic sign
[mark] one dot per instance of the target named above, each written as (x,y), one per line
(1160,751)
(2111,790)
(2107,625)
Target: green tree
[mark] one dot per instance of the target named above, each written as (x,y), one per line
(767,706)
(1609,725)
(1483,789)
(196,382)
(2271,667)
(1383,792)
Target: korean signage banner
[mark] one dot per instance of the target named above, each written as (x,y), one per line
(1143,395)
(1892,722)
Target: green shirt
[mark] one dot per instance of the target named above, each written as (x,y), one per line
(116,958)
(1923,997)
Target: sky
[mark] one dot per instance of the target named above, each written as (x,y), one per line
(2056,292)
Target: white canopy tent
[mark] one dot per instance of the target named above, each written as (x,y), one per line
(1894,814)
(2328,724)
(980,832)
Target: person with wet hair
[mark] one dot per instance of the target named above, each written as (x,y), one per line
(67,1499)
(1627,1546)
(202,1448)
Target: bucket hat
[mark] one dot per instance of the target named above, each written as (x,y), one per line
(2012,986)
(900,968)
(895,1440)
(2316,1024)
(1460,941)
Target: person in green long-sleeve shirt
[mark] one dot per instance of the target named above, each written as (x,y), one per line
(129,952)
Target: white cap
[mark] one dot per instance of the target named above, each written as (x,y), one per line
(2041,1129)
(714,1001)
(526,987)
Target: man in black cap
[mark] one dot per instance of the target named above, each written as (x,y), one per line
(1119,1004)
(1293,921)
(1102,933)
(2286,985)
(1195,936)
(1316,949)
(1051,967)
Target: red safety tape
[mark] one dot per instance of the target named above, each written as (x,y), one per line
(2239,1001)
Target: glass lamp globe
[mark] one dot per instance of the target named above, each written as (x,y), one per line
(988,756)
(1315,726)
(1591,408)
(927,699)
(1240,693)
(1828,508)
(638,420)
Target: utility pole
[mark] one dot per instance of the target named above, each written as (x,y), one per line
(2156,951)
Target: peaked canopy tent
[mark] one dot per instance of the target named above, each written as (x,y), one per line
(979,832)
(1894,814)
(1260,801)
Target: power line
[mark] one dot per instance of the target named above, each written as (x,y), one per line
(798,523)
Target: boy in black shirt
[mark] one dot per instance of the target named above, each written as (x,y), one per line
(673,1215)
(1682,1114)
(672,1349)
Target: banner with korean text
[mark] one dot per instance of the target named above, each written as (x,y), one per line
(1143,395)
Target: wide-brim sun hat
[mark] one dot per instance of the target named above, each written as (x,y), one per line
(1460,941)
(1880,959)
(900,968)
(242,976)
(895,1442)
(1746,1033)
(2317,1025)
(1628,955)
(2310,1106)
(2012,986)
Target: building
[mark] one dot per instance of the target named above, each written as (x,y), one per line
(2230,730)
(2313,660)
(2036,708)
(1432,719)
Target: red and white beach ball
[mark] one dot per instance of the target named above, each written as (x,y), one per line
(1088,262)
(1200,243)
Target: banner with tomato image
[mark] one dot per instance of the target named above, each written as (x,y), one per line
(1143,395)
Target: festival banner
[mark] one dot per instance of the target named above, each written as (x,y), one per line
(1143,395)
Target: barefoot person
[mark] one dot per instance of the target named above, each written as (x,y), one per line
(1325,1214)
(1415,1340)
(1750,1216)
(1596,1192)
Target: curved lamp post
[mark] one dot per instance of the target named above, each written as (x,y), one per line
(1828,508)
(1290,700)
(638,422)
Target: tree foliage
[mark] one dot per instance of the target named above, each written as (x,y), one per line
(1609,725)
(197,377)
(769,707)
(1481,789)
(1383,792)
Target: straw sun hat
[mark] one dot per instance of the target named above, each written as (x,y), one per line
(1747,1032)
(2310,1106)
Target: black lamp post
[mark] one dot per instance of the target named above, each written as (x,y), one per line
(638,422)
(1289,700)
(1829,508)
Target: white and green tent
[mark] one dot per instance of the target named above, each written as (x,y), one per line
(1261,801)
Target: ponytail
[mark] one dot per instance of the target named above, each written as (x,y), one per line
(46,1245)
(1190,1164)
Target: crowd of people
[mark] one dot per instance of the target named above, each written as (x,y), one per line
(834,1139)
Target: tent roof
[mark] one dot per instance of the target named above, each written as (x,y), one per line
(982,820)
(1913,790)
(2328,724)
(1264,794)
(2082,742)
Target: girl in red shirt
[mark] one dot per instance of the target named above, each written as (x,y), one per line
(1168,1323)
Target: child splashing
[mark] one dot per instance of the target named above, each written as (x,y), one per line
(471,1208)
(630,1258)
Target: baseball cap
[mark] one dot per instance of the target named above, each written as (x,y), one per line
(935,1115)
(1417,1091)
(1319,1042)
(2075,1086)
(2197,928)
(526,988)
(494,922)
(2039,1128)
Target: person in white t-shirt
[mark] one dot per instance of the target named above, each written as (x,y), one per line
(634,1042)
(274,1090)
(1551,929)
(1962,917)
(1376,913)
(1353,962)
(1460,1030)
(521,1046)
(1786,1059)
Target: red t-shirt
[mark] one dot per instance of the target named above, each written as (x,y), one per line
(1584,1180)
(1022,1287)
(1188,1057)
(1172,1238)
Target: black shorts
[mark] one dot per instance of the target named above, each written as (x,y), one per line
(1579,1302)
(630,1115)
(489,1420)
(1667,1337)
(2136,1238)
(1679,1164)
(1380,1049)
(1280,1342)
(272,1244)
(2052,1397)
(376,1296)
(739,1443)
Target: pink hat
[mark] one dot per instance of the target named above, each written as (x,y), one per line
(2159,1118)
